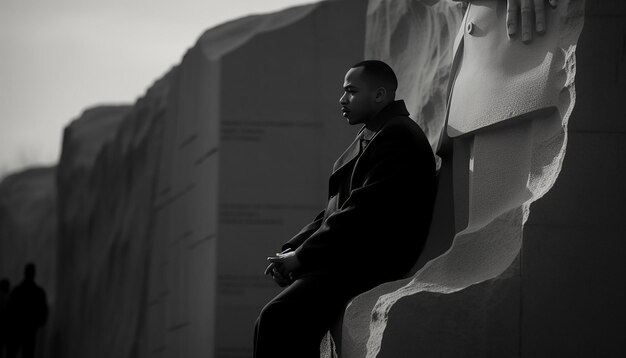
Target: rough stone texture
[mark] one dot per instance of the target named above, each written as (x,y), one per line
(508,80)
(107,182)
(572,258)
(87,201)
(28,232)
(416,40)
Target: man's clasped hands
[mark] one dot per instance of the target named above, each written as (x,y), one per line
(283,267)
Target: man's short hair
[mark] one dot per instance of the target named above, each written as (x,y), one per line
(379,73)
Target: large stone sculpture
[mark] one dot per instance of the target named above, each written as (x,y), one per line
(510,110)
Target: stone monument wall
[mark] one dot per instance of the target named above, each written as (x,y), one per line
(164,233)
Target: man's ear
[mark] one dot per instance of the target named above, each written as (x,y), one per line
(381,94)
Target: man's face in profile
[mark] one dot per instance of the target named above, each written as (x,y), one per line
(359,98)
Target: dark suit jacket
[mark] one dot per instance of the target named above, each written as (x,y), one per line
(379,204)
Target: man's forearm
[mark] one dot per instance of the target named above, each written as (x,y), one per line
(305,233)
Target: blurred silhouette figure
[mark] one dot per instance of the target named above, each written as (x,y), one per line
(5,286)
(28,311)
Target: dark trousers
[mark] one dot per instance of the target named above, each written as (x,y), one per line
(23,340)
(3,344)
(294,322)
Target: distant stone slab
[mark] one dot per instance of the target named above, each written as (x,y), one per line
(28,225)
(251,131)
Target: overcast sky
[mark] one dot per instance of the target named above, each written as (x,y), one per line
(60,57)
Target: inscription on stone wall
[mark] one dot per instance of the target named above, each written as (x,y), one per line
(232,284)
(255,131)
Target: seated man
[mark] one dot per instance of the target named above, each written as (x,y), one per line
(380,200)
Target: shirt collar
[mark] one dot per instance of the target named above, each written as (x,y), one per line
(395,108)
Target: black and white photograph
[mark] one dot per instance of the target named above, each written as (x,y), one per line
(312,179)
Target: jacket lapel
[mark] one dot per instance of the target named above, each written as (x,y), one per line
(350,153)
(367,132)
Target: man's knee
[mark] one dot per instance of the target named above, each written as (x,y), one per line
(274,312)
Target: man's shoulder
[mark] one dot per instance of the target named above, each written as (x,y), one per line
(401,127)
(402,121)
(25,288)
